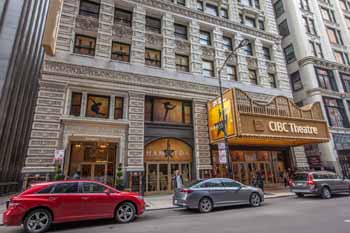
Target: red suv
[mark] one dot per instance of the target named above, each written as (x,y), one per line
(65,201)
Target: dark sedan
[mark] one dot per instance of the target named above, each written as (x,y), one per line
(207,194)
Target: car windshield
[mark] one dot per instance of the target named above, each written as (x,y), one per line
(301,176)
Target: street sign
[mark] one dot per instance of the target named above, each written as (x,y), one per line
(59,155)
(222,153)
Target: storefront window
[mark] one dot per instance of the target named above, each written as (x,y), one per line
(97,106)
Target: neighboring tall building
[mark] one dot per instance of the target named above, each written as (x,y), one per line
(316,40)
(129,85)
(21,29)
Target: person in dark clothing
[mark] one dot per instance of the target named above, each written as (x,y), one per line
(178,180)
(260,180)
(76,175)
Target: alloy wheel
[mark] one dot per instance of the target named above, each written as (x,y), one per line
(38,221)
(255,200)
(326,193)
(125,213)
(205,205)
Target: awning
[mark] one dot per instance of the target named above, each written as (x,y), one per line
(277,123)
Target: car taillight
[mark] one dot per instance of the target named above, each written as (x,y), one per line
(291,182)
(310,180)
(186,190)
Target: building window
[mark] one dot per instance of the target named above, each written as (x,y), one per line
(344,5)
(347,21)
(272,80)
(336,112)
(89,8)
(345,78)
(153,24)
(224,13)
(267,53)
(316,49)
(250,22)
(120,52)
(75,106)
(200,6)
(246,2)
(326,79)
(262,25)
(97,106)
(257,4)
(304,4)
(289,54)
(309,25)
(248,50)
(283,28)
(211,9)
(279,9)
(341,57)
(208,68)
(253,77)
(296,82)
(205,38)
(227,43)
(334,36)
(118,108)
(231,72)
(181,2)
(84,45)
(123,17)
(328,15)
(180,31)
(182,63)
(153,57)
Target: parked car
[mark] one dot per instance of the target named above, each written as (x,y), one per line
(318,182)
(205,195)
(43,204)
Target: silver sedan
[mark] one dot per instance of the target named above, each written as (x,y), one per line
(205,195)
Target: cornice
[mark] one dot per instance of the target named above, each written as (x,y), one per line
(324,63)
(185,11)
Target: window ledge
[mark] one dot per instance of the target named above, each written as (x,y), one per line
(91,120)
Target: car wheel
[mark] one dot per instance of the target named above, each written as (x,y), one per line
(125,213)
(37,221)
(205,205)
(255,200)
(300,194)
(326,193)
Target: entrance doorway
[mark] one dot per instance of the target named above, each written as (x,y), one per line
(162,158)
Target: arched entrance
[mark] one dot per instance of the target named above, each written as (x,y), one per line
(162,158)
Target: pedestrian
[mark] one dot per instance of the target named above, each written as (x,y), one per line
(254,183)
(178,180)
(260,180)
(285,179)
(76,175)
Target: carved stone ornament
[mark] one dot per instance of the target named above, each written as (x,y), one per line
(122,32)
(208,52)
(271,67)
(86,23)
(252,62)
(154,40)
(182,46)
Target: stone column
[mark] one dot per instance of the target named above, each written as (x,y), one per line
(104,32)
(271,25)
(168,42)
(218,43)
(282,77)
(65,37)
(263,78)
(233,11)
(201,135)
(196,51)
(136,132)
(138,35)
(242,64)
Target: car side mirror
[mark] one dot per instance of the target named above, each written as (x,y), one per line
(107,191)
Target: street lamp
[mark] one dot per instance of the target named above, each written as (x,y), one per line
(242,44)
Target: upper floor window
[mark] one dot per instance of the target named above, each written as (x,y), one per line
(250,22)
(118,107)
(279,9)
(316,49)
(224,13)
(227,43)
(200,5)
(336,112)
(304,4)
(347,21)
(296,82)
(341,57)
(283,28)
(97,106)
(257,4)
(289,54)
(231,72)
(344,5)
(261,25)
(211,9)
(208,68)
(345,78)
(328,15)
(123,17)
(120,52)
(326,79)
(89,8)
(246,2)
(205,38)
(248,49)
(153,24)
(180,31)
(309,25)
(182,63)
(272,80)
(253,78)
(84,45)
(267,53)
(75,106)
(334,36)
(181,2)
(153,57)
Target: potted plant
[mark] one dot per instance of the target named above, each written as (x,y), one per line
(119,181)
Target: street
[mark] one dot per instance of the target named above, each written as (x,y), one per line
(279,215)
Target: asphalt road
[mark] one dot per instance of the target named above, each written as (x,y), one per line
(280,215)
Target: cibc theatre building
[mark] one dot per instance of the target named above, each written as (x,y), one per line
(262,137)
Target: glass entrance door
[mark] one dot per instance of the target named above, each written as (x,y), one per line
(94,171)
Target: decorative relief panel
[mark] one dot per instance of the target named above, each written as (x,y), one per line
(183,46)
(154,40)
(271,67)
(252,62)
(208,52)
(122,32)
(86,23)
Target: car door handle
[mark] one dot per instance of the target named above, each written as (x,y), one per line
(52,198)
(84,198)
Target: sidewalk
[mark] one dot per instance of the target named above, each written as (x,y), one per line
(157,202)
(3,200)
